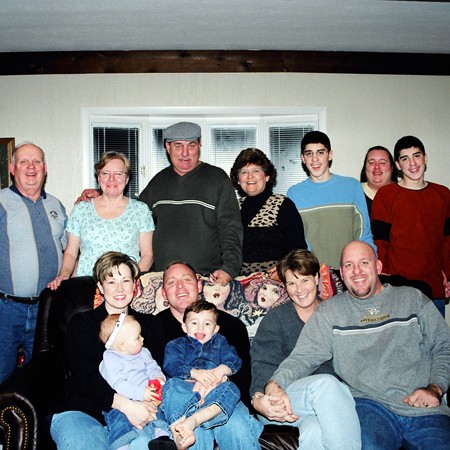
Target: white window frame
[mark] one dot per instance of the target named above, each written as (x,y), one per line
(206,117)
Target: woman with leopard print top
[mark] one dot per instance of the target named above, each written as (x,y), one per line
(272,225)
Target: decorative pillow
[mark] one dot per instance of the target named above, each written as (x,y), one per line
(247,298)
(150,300)
(261,294)
(227,297)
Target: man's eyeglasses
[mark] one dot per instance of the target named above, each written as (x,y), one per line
(105,175)
(319,153)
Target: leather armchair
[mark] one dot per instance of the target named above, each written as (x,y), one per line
(29,397)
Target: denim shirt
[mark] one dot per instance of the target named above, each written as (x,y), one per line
(187,353)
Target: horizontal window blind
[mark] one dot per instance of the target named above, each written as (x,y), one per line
(140,138)
(119,139)
(226,143)
(284,152)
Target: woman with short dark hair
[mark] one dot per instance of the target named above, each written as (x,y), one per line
(272,225)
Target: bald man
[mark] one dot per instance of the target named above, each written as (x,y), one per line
(390,345)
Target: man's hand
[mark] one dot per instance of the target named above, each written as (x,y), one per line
(221,372)
(87,195)
(425,397)
(198,387)
(220,276)
(205,377)
(273,274)
(446,284)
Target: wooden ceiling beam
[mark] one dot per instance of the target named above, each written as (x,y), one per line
(222,61)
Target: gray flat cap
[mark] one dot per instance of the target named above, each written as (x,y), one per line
(183,131)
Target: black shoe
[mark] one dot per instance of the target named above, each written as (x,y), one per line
(162,443)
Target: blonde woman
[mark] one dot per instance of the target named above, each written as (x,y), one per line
(110,221)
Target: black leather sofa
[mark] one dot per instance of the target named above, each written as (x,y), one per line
(28,398)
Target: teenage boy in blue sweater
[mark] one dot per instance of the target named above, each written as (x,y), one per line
(333,207)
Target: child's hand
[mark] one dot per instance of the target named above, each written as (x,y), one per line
(206,377)
(154,392)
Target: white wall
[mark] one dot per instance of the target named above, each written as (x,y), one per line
(362,111)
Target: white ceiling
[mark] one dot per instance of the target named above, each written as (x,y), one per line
(321,25)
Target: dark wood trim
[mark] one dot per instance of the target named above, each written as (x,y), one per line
(221,61)
(6,149)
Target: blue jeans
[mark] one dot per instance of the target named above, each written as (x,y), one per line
(328,418)
(75,430)
(179,400)
(381,429)
(121,432)
(440,305)
(241,432)
(17,327)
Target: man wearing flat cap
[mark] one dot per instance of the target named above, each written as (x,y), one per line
(195,209)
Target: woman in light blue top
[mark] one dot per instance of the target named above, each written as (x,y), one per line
(109,222)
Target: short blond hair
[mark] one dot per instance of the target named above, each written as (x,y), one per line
(104,265)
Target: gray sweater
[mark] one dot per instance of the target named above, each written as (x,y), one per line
(276,337)
(383,347)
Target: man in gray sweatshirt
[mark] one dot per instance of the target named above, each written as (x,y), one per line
(390,345)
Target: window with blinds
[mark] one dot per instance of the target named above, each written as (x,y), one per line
(140,137)
(226,142)
(119,139)
(284,152)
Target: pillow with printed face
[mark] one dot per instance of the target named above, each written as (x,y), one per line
(150,299)
(247,298)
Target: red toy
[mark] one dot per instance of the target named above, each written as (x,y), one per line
(156,385)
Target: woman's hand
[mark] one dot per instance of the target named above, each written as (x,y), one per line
(69,260)
(53,285)
(273,407)
(274,404)
(138,413)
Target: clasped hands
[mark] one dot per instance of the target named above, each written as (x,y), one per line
(274,404)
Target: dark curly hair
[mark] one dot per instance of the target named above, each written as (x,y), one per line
(258,158)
